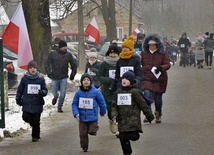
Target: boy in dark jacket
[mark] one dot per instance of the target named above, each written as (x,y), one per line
(127,105)
(30,93)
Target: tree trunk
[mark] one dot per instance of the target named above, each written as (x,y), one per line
(38,23)
(108,10)
(81,51)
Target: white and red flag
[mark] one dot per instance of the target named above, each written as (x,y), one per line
(17,39)
(93,31)
(136,31)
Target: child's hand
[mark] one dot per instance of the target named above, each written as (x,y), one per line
(77,117)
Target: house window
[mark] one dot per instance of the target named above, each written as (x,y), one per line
(120,33)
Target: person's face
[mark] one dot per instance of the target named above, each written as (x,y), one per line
(153,47)
(64,49)
(126,49)
(140,40)
(113,54)
(86,82)
(183,36)
(32,70)
(125,82)
(92,58)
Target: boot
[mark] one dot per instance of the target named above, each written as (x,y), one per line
(113,126)
(158,117)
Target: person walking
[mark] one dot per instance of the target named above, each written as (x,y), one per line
(184,44)
(209,48)
(128,60)
(86,103)
(127,105)
(29,95)
(139,42)
(56,67)
(92,66)
(155,63)
(105,75)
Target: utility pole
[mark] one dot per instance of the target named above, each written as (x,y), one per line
(130,18)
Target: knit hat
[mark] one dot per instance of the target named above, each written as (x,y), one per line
(129,75)
(140,36)
(84,76)
(129,43)
(62,43)
(113,48)
(93,49)
(152,42)
(92,54)
(32,64)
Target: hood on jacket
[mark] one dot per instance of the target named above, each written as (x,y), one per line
(157,39)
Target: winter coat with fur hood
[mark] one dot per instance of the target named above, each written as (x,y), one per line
(157,59)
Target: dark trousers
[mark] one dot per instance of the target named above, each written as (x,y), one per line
(125,138)
(208,58)
(86,128)
(34,120)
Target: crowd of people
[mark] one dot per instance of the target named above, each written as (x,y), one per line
(129,80)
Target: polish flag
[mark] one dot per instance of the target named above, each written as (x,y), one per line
(136,31)
(93,31)
(16,38)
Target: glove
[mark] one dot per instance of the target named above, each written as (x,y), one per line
(71,77)
(158,69)
(113,86)
(150,117)
(50,75)
(19,102)
(41,93)
(77,117)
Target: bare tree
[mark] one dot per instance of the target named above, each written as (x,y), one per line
(39,29)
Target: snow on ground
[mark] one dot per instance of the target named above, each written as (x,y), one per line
(13,116)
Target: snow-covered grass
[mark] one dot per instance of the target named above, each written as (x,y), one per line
(13,117)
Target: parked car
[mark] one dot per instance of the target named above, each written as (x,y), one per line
(93,45)
(8,58)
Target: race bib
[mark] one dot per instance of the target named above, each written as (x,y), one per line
(124,99)
(33,88)
(182,45)
(111,74)
(125,69)
(86,103)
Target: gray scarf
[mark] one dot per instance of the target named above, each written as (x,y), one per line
(111,61)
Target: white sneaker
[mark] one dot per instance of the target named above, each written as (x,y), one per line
(113,126)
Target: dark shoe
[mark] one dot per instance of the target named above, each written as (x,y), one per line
(35,139)
(54,100)
(60,110)
(85,149)
(145,120)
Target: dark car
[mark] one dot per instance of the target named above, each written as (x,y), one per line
(8,57)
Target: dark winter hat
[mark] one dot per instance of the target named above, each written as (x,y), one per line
(140,36)
(62,43)
(184,34)
(32,64)
(129,75)
(84,76)
(113,48)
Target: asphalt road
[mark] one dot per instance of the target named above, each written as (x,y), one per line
(187,126)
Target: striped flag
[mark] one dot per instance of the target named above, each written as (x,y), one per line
(93,31)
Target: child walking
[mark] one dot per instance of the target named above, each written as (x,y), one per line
(85,106)
(30,93)
(127,105)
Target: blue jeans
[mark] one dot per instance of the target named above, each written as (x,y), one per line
(157,97)
(59,85)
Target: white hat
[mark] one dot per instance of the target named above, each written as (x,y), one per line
(152,42)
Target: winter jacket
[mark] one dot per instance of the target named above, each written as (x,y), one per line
(133,62)
(57,65)
(184,44)
(28,92)
(157,59)
(93,70)
(209,44)
(129,116)
(104,76)
(89,114)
